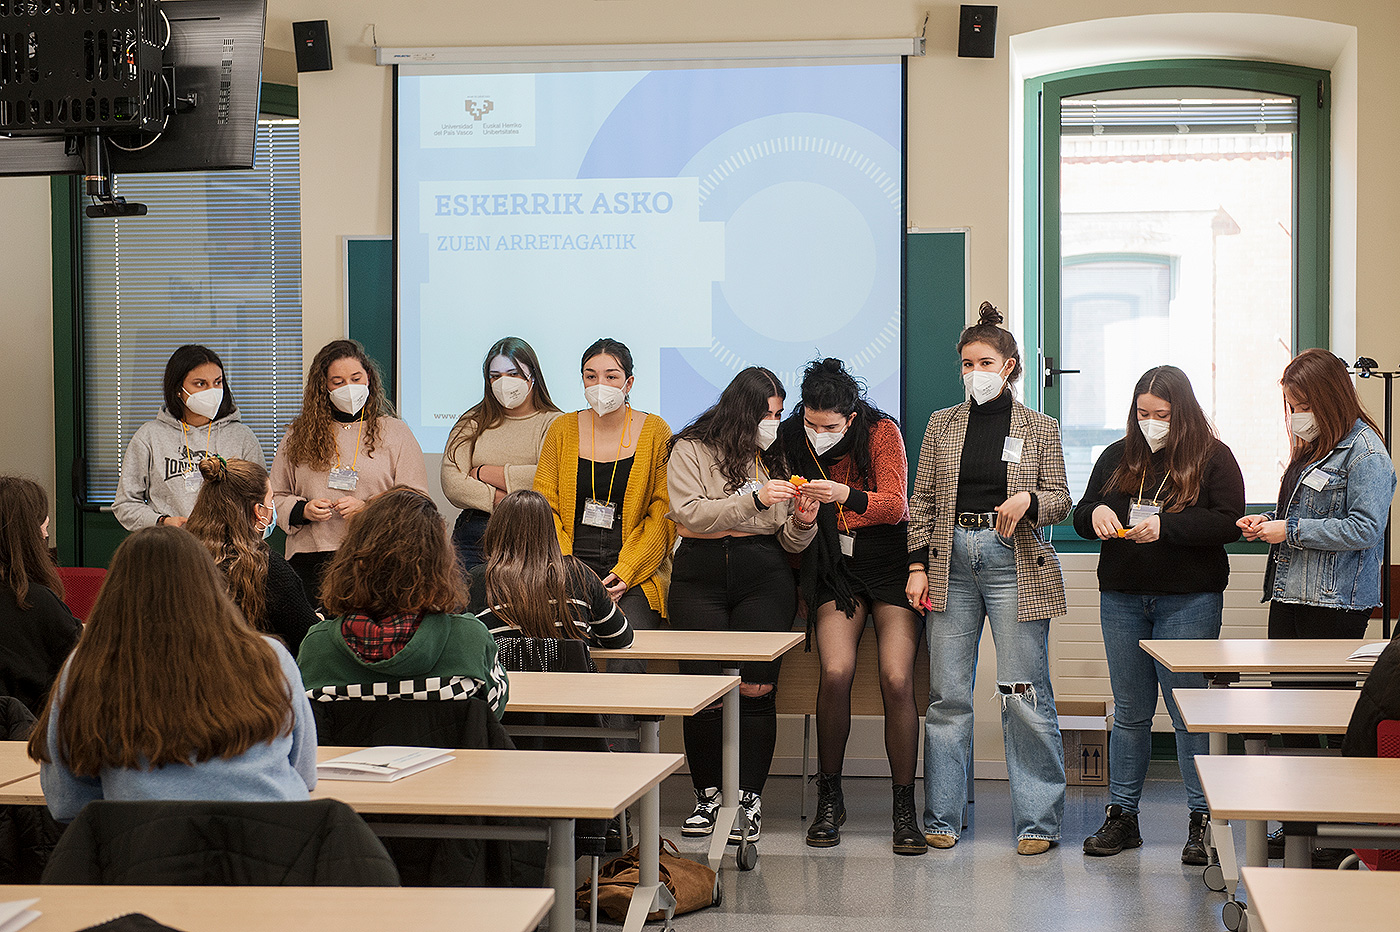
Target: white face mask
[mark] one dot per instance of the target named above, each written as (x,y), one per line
(821,442)
(982,386)
(604,399)
(767,432)
(1304,426)
(1155,431)
(206,403)
(349,399)
(511,391)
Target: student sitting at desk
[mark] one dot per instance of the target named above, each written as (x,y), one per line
(528,588)
(394,590)
(171,694)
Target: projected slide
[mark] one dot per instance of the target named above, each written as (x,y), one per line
(710,219)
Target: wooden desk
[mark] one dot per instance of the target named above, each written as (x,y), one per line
(730,648)
(557,786)
(1320,798)
(592,693)
(1260,658)
(287,909)
(1307,900)
(15,764)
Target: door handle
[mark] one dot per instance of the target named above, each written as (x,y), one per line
(1051,371)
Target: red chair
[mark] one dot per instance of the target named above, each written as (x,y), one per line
(80,585)
(1387,745)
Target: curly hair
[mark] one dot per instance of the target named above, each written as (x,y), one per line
(828,386)
(729,427)
(222,519)
(396,559)
(311,438)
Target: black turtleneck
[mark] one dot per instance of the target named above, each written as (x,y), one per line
(982,471)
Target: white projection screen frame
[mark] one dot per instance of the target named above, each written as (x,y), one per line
(712,210)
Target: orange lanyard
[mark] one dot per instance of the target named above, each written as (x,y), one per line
(621,444)
(840,512)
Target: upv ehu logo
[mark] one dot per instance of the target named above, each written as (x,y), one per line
(479,108)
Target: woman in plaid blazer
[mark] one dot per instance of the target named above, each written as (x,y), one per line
(991,473)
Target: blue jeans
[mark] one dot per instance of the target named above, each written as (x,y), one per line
(982,584)
(1135,678)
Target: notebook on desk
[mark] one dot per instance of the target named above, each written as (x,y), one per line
(382,764)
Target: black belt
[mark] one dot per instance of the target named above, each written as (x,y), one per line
(977,519)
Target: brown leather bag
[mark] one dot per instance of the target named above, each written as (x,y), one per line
(692,883)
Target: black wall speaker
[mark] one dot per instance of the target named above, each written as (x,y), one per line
(977,32)
(312,41)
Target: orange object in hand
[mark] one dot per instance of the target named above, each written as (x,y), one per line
(1122,532)
(798,481)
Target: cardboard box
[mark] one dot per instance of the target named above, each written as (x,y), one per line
(1084,725)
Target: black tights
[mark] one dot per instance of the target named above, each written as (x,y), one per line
(897,641)
(758,733)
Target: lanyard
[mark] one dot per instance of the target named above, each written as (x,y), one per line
(840,512)
(621,443)
(190,464)
(355,460)
(1157,499)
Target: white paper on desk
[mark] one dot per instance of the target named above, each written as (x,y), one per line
(16,914)
(1366,653)
(382,764)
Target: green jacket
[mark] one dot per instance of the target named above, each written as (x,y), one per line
(448,657)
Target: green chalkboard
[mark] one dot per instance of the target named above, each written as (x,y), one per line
(936,309)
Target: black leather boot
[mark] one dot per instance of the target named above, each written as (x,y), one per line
(908,836)
(825,830)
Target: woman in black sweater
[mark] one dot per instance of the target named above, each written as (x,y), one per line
(1164,500)
(37,631)
(233,517)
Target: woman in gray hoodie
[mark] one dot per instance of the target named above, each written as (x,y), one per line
(160,472)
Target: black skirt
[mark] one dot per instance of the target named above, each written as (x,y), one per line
(879,565)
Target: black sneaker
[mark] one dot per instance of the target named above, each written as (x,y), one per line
(1119,831)
(1195,850)
(702,820)
(1276,843)
(752,806)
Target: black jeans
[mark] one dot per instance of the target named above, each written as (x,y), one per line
(733,584)
(1292,620)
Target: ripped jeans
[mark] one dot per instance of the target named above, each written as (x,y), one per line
(982,584)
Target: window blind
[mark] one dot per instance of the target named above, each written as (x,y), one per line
(1116,116)
(216,262)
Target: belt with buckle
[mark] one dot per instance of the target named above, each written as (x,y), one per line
(977,519)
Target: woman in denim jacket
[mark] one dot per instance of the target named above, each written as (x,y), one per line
(1326,534)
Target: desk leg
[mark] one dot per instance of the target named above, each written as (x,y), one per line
(559,870)
(1220,836)
(1297,851)
(729,813)
(651,894)
(1256,831)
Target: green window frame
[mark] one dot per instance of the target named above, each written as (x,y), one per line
(1041,178)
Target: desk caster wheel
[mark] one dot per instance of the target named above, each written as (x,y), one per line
(1214,878)
(717,894)
(1235,917)
(746,857)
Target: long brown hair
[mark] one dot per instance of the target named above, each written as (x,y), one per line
(166,671)
(488,412)
(1320,380)
(311,438)
(526,579)
(988,330)
(396,559)
(222,519)
(729,427)
(1190,442)
(24,560)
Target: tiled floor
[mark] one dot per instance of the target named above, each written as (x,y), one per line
(981,884)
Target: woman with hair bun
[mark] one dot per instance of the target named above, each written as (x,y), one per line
(233,517)
(1164,501)
(852,455)
(991,474)
(344,448)
(160,471)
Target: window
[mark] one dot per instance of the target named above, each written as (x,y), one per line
(218,262)
(1180,219)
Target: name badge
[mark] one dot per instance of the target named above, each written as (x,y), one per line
(750,487)
(599,514)
(1315,480)
(343,478)
(193,480)
(1141,511)
(1011,449)
(848,544)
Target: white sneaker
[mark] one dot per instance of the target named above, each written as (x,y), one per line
(752,805)
(702,820)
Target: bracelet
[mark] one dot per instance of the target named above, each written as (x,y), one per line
(758,501)
(919,569)
(801,526)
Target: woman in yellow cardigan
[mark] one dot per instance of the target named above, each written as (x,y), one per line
(603,470)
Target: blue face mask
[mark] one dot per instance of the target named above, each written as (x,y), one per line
(271,523)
